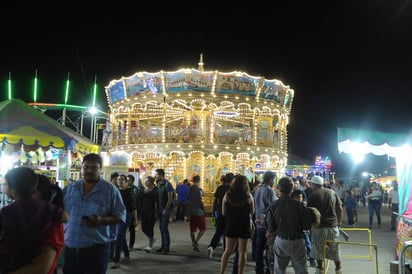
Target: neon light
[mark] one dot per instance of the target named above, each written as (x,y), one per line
(67,88)
(94,91)
(58,106)
(9,85)
(35,88)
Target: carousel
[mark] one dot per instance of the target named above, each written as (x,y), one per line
(193,121)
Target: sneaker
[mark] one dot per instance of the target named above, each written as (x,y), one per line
(115,266)
(147,249)
(338,271)
(195,247)
(165,251)
(209,252)
(160,249)
(312,263)
(151,242)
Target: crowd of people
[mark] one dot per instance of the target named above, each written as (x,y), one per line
(286,220)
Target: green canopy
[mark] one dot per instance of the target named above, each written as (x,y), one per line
(366,141)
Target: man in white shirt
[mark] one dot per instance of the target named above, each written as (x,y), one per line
(394,202)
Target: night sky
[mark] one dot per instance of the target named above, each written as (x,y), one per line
(349,63)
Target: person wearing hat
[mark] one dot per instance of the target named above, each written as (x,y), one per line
(330,207)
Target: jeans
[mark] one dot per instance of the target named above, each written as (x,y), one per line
(260,250)
(132,235)
(374,207)
(181,210)
(90,260)
(164,228)
(349,213)
(121,243)
(219,230)
(395,209)
(308,243)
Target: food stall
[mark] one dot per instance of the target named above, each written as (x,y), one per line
(31,138)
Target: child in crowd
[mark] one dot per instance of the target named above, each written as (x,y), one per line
(24,223)
(297,195)
(351,207)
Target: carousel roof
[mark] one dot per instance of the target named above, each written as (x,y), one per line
(23,124)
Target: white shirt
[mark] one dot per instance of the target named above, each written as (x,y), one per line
(393,196)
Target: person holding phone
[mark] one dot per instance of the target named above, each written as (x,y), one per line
(87,239)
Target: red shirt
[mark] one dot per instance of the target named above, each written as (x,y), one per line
(55,238)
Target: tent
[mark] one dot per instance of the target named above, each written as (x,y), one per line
(394,145)
(22,126)
(381,143)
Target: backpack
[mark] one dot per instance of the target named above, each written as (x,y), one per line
(174,201)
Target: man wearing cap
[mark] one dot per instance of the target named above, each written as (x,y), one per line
(330,207)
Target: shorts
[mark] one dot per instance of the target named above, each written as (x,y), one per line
(197,222)
(319,235)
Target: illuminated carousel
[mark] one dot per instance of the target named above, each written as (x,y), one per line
(193,121)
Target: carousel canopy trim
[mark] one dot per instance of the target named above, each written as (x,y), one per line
(21,124)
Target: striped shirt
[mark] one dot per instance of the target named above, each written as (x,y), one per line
(288,218)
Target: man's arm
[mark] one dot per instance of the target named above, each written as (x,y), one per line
(339,210)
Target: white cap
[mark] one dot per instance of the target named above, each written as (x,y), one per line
(316,180)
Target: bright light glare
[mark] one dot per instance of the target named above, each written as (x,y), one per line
(93,110)
(358,157)
(6,164)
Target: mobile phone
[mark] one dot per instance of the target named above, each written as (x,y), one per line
(85,217)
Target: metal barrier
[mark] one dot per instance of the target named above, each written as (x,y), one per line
(370,243)
(325,245)
(401,267)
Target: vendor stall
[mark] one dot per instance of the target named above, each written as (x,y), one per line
(394,145)
(30,137)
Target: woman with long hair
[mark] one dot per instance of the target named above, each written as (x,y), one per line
(238,208)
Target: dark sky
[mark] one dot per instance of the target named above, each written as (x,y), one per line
(349,62)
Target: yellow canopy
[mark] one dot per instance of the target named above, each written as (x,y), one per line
(21,124)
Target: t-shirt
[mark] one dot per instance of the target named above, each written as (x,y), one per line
(182,191)
(24,225)
(55,238)
(219,194)
(393,195)
(196,207)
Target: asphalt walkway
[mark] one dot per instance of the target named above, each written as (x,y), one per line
(358,256)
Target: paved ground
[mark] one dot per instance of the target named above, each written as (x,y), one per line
(182,259)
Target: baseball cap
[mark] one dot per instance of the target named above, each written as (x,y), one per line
(316,180)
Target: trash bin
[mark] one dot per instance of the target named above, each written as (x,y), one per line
(394,268)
